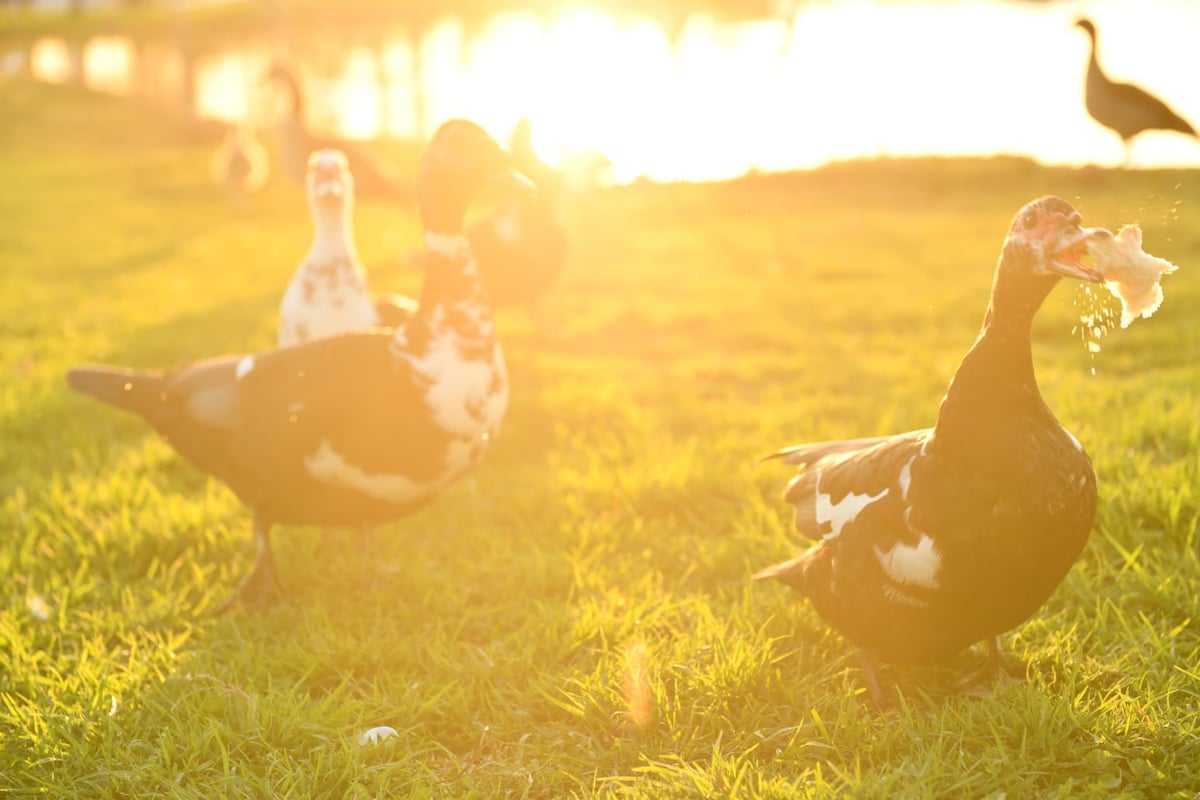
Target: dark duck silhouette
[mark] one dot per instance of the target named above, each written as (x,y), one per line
(375,179)
(240,166)
(328,293)
(354,429)
(1122,107)
(930,541)
(523,247)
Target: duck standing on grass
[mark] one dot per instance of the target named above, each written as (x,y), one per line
(932,540)
(328,293)
(1123,108)
(354,429)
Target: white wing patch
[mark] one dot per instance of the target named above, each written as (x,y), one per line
(912,564)
(905,478)
(843,511)
(244,367)
(903,598)
(1074,441)
(328,466)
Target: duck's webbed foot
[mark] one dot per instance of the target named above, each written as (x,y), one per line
(995,665)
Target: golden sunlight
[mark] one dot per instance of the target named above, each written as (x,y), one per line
(223,87)
(108,64)
(49,61)
(854,79)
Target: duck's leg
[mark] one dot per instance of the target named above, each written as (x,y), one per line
(261,587)
(870,669)
(995,664)
(366,539)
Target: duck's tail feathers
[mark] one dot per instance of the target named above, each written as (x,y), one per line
(131,390)
(794,572)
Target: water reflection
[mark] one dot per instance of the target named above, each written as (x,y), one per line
(852,79)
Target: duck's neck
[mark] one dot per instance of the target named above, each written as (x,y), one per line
(333,236)
(295,100)
(1094,73)
(995,384)
(454,301)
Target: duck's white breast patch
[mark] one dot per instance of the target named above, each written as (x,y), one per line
(319,310)
(843,511)
(911,564)
(329,466)
(462,397)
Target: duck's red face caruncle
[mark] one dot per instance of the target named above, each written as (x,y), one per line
(1048,232)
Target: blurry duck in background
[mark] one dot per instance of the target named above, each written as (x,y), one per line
(241,165)
(522,248)
(374,178)
(354,429)
(1122,107)
(328,293)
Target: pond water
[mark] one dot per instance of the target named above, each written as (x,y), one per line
(843,79)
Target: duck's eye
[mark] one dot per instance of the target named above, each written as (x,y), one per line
(1029,221)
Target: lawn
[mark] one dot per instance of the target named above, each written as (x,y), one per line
(575,619)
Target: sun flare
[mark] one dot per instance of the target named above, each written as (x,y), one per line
(622,97)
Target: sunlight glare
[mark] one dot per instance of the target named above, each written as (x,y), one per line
(358,100)
(49,61)
(223,86)
(851,79)
(108,64)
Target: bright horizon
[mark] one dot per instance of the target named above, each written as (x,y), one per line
(855,79)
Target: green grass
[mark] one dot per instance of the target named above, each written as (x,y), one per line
(575,619)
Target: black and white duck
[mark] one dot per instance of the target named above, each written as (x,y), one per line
(522,247)
(328,293)
(930,541)
(354,429)
(297,141)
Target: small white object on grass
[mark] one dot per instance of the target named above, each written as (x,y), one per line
(38,608)
(1130,273)
(376,735)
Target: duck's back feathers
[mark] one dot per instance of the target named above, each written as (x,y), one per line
(838,480)
(395,310)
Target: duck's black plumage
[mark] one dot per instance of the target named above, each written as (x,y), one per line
(353,429)
(932,540)
(240,166)
(375,179)
(522,247)
(1122,107)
